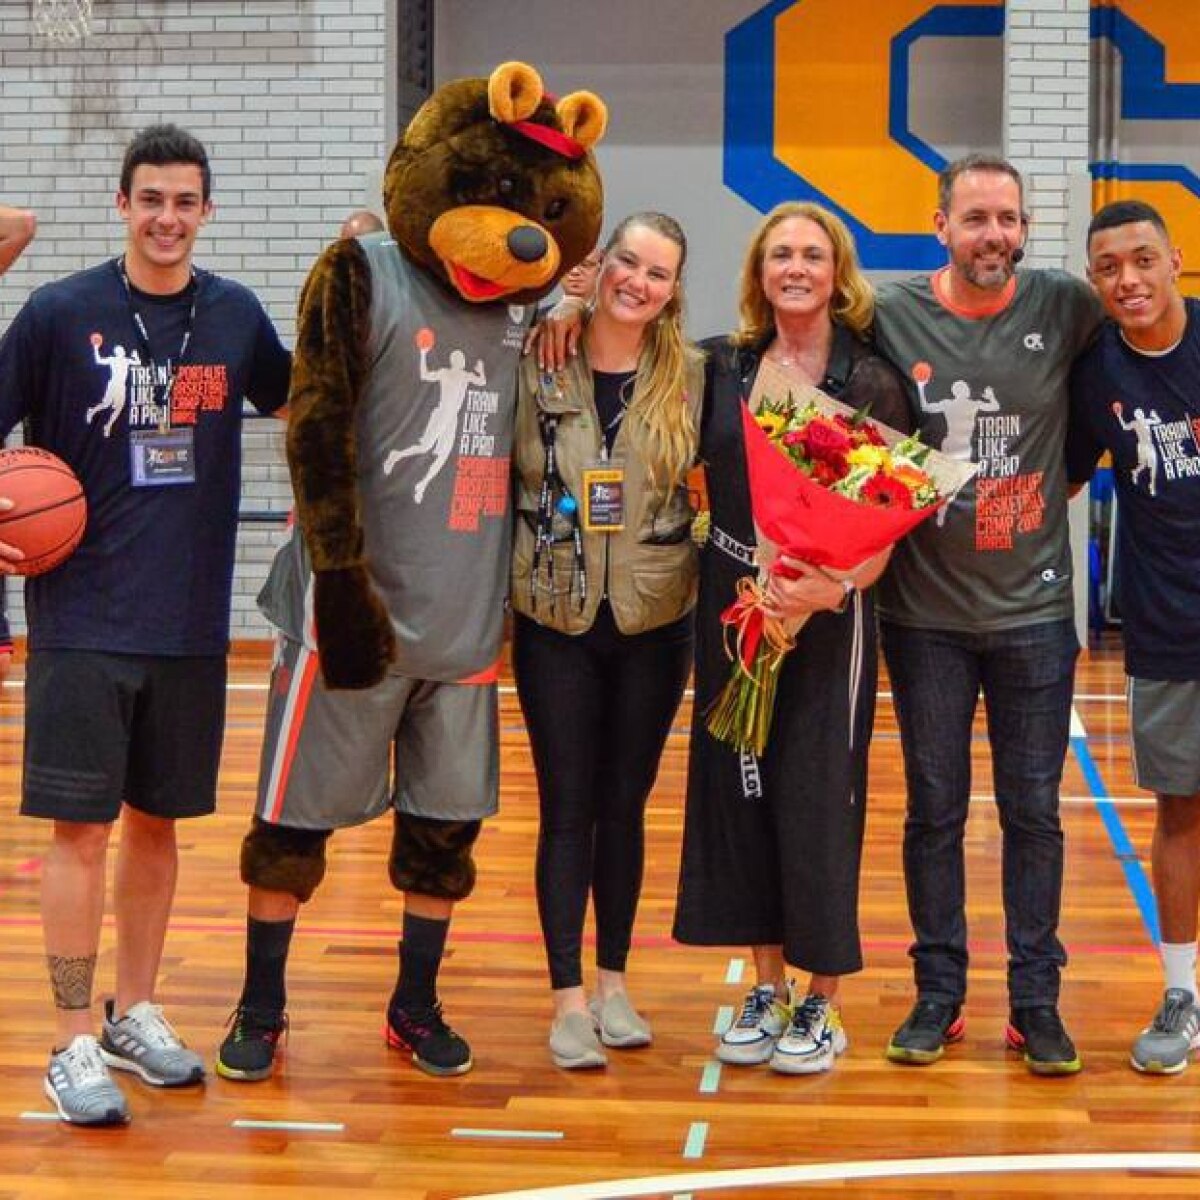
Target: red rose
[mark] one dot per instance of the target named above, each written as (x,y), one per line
(828,472)
(825,441)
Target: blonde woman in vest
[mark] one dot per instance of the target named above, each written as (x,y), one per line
(604,581)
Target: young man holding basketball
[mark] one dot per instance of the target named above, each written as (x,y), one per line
(133,372)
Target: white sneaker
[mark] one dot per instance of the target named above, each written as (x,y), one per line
(144,1042)
(79,1084)
(813,1039)
(751,1039)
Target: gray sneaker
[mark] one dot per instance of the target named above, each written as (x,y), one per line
(143,1041)
(573,1043)
(81,1088)
(1164,1046)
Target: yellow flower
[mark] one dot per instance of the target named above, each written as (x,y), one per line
(876,458)
(771,423)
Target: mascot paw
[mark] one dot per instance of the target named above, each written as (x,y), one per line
(355,641)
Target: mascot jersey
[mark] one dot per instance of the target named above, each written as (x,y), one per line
(433,436)
(154,572)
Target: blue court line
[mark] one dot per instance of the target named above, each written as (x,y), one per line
(710,1080)
(697,1136)
(723,1019)
(1135,875)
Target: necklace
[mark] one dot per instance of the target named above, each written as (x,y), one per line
(1152,353)
(624,395)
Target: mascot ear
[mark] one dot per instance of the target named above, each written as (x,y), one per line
(514,92)
(584,117)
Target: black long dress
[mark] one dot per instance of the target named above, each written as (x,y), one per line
(772,845)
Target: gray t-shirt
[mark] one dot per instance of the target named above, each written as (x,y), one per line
(434,436)
(990,390)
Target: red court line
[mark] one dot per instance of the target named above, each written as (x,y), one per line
(480,937)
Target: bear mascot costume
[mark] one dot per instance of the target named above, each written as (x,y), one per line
(389,601)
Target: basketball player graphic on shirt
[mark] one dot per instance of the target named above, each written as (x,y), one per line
(960,410)
(1147,455)
(441,432)
(118,364)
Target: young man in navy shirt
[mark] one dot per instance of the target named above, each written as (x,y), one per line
(134,372)
(1136,394)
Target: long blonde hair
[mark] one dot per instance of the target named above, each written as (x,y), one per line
(662,425)
(853,301)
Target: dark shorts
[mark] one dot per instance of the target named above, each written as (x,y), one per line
(102,729)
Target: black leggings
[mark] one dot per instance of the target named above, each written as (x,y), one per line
(599,707)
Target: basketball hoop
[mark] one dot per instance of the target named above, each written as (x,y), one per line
(62,21)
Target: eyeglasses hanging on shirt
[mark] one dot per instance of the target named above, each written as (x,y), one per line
(163,456)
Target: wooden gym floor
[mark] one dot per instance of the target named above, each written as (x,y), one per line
(347,1116)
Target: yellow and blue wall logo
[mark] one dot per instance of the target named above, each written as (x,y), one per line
(1147,139)
(820,95)
(817,108)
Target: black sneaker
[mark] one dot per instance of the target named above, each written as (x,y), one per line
(1038,1034)
(926,1032)
(435,1047)
(248,1051)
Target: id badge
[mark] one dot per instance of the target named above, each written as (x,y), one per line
(159,459)
(604,498)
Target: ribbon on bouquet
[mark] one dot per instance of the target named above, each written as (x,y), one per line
(747,625)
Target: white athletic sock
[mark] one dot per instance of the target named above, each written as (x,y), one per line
(1179,965)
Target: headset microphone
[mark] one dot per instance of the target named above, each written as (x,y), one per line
(1017,255)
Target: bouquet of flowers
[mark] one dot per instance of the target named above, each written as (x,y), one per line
(830,487)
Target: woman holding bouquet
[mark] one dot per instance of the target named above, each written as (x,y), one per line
(604,580)
(772,844)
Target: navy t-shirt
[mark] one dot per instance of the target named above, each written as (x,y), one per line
(153,574)
(1145,409)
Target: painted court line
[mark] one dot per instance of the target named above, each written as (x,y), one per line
(291,1126)
(40,1116)
(1135,874)
(723,1019)
(699,1181)
(710,1080)
(697,1136)
(735,970)
(527,1135)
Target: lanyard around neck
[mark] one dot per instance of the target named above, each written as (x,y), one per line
(144,340)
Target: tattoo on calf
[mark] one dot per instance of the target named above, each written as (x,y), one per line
(71,979)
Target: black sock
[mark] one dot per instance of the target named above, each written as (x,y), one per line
(421,948)
(267,945)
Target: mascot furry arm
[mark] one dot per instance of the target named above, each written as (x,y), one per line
(493,191)
(327,379)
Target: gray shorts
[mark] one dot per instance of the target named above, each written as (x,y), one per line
(337,758)
(1164,719)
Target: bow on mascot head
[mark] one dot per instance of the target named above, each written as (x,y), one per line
(404,378)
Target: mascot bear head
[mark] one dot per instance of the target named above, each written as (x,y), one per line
(493,188)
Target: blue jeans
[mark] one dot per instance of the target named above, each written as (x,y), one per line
(1026,676)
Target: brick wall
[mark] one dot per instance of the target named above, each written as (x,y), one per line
(1046,82)
(289,97)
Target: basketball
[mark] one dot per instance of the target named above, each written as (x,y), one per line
(49,512)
